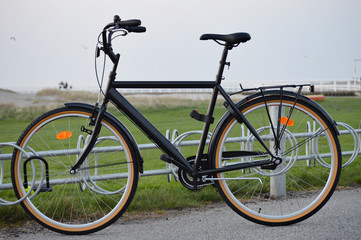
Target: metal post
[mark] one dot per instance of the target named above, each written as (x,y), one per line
(278,182)
(354,74)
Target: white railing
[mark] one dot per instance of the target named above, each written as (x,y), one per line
(337,86)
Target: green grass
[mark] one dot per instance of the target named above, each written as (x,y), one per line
(344,109)
(155,193)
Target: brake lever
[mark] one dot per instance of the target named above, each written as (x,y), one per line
(115,30)
(124,31)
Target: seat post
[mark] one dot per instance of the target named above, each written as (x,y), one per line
(222,63)
(211,107)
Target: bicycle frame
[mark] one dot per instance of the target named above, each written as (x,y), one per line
(153,133)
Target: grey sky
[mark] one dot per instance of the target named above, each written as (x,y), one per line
(44,42)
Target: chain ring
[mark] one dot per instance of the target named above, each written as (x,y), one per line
(187,180)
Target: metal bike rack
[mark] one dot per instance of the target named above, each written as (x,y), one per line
(170,170)
(4,202)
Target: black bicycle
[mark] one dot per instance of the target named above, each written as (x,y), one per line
(83,165)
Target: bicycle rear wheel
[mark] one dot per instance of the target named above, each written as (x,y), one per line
(97,194)
(299,186)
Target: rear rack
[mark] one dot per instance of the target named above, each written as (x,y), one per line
(312,88)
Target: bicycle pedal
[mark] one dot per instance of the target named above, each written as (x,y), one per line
(166,158)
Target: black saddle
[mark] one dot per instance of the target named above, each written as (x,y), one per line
(232,39)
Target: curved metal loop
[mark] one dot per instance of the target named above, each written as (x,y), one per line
(173,168)
(4,202)
(355,150)
(356,144)
(85,174)
(177,141)
(289,160)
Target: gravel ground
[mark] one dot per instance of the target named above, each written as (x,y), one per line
(338,219)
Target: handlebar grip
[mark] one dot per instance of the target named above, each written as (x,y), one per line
(130,23)
(139,29)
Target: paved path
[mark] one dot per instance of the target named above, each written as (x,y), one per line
(339,219)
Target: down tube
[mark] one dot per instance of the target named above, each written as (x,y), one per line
(149,129)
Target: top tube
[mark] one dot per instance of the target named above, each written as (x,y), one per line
(164,84)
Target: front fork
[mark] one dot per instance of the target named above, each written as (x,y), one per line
(93,138)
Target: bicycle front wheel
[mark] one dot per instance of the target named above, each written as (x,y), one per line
(78,203)
(299,186)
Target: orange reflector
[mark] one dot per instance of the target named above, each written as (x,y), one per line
(287,121)
(63,135)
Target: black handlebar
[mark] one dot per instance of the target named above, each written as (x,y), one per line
(131,25)
(126,23)
(139,29)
